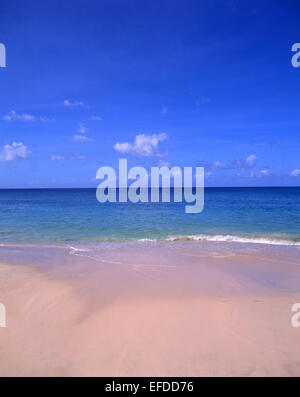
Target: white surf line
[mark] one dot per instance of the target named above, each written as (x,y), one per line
(232,239)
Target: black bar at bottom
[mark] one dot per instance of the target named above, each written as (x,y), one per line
(139,385)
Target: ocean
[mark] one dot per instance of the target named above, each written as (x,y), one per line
(261,215)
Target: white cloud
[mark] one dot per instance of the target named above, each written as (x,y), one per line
(12,115)
(71,104)
(251,160)
(82,129)
(14,151)
(264,172)
(55,157)
(144,145)
(46,119)
(96,118)
(295,172)
(81,138)
(243,164)
(218,165)
(162,163)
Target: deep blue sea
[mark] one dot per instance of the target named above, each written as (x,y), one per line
(269,215)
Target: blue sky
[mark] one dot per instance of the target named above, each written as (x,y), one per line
(174,82)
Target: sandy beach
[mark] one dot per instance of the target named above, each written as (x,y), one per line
(149,191)
(181,309)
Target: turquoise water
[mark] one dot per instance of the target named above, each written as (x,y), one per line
(230,214)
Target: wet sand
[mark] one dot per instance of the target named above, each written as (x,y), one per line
(180,309)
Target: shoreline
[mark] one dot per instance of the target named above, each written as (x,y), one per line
(150,310)
(267,239)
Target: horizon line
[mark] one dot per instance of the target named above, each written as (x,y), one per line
(171,187)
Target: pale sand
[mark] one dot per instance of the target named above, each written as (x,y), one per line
(202,316)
